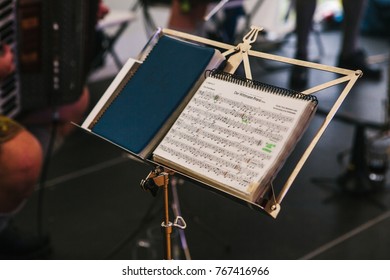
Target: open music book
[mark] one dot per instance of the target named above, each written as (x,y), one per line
(235,134)
(222,130)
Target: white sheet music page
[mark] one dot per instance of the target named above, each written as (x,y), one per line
(230,134)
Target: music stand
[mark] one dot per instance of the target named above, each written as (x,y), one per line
(240,54)
(159,177)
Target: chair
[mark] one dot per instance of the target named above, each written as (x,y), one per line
(111,28)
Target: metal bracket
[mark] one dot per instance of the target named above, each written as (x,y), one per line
(179,223)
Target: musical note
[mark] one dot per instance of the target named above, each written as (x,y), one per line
(228,136)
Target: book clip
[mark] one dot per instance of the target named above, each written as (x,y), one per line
(240,53)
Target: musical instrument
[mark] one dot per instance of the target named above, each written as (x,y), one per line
(9,91)
(54,45)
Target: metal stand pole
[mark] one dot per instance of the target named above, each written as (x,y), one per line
(159,178)
(166,224)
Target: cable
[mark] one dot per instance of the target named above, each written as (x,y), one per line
(44,171)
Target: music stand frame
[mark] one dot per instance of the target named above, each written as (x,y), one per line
(272,207)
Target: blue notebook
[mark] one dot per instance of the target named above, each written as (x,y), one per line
(147,103)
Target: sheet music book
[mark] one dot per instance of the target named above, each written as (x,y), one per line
(235,134)
(146,97)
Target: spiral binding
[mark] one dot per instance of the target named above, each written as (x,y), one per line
(122,85)
(219,74)
(115,94)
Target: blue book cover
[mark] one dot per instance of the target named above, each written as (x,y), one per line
(155,91)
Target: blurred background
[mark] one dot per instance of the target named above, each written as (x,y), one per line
(93,208)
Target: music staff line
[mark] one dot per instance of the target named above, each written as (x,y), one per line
(223,140)
(245,118)
(240,105)
(234,124)
(237,179)
(247,154)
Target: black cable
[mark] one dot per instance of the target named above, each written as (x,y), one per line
(44,172)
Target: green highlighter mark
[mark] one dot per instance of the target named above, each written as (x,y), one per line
(268,147)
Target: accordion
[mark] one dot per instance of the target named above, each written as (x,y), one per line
(52,42)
